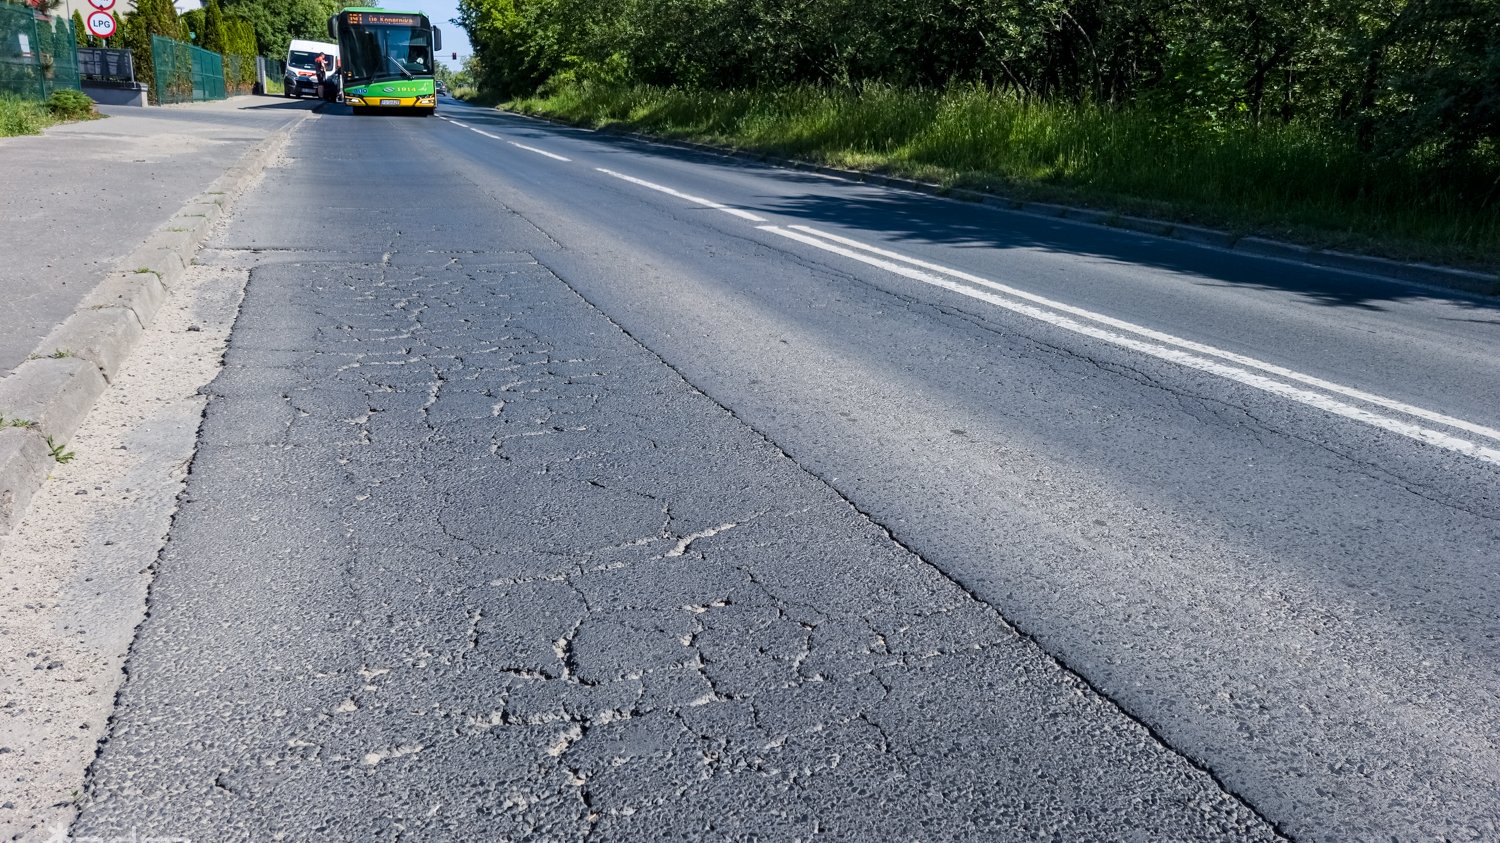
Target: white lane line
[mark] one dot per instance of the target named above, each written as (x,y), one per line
(486,134)
(1174,355)
(554,156)
(1200,348)
(696,200)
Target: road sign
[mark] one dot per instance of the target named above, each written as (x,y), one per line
(102,5)
(101,24)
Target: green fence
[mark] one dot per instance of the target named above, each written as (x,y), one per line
(239,74)
(185,73)
(37,57)
(208,74)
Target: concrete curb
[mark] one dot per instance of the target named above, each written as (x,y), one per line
(1422,274)
(45,400)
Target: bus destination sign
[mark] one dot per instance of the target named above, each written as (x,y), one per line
(383,19)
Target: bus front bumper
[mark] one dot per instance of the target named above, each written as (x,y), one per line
(390,102)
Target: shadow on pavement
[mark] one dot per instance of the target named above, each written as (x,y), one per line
(917,218)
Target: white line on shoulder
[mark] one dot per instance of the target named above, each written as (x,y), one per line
(863,254)
(1200,348)
(554,156)
(697,200)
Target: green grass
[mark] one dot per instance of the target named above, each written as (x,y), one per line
(1292,181)
(20,116)
(472,96)
(23,116)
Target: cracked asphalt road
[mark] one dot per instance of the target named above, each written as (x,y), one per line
(533,506)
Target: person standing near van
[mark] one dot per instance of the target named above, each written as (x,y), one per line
(328,85)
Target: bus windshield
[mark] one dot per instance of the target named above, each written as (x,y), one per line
(382,53)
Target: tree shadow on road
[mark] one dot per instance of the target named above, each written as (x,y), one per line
(917,218)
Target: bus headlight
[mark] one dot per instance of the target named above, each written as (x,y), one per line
(427,100)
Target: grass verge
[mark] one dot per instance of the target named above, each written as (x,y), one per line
(1294,182)
(20,116)
(23,117)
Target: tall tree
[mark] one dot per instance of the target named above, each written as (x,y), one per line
(277,22)
(80,33)
(214,36)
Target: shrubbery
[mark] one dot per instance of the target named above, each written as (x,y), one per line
(1294,180)
(71,105)
(1362,112)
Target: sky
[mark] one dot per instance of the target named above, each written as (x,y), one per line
(441,12)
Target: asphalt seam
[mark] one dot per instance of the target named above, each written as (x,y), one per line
(1061,662)
(42,403)
(1419,275)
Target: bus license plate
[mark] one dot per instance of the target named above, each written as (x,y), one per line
(390,102)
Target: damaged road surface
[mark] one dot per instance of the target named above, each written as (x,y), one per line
(460,559)
(566,486)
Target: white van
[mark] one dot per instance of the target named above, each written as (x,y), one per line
(302,67)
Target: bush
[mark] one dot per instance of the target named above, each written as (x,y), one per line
(71,105)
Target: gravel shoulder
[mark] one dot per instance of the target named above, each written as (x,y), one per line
(77,568)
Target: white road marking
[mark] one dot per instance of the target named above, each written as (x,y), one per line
(696,200)
(554,156)
(1163,352)
(1200,348)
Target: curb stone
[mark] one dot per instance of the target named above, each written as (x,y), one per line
(54,390)
(103,337)
(143,293)
(52,393)
(24,462)
(1421,274)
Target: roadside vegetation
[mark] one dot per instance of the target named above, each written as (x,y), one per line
(1358,124)
(21,116)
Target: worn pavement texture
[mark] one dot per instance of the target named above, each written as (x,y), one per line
(458,558)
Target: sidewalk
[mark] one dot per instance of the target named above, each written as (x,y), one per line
(84,195)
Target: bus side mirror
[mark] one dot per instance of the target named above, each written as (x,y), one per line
(333,27)
(437,39)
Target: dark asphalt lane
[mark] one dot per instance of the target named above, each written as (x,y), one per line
(1247,573)
(1432,348)
(1301,603)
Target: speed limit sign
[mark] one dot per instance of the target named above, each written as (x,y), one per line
(102,5)
(101,24)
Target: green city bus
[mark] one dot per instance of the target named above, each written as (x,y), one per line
(386,59)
